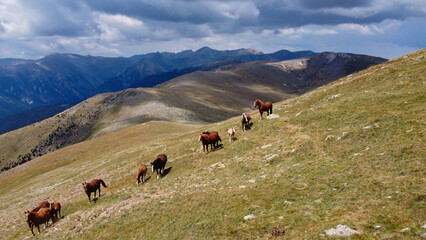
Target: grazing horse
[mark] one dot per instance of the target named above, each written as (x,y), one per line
(36,218)
(212,139)
(93,186)
(44,204)
(141,173)
(214,144)
(55,208)
(263,107)
(159,164)
(245,121)
(231,133)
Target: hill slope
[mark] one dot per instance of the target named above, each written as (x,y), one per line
(349,153)
(203,97)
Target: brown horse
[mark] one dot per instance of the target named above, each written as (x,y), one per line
(141,173)
(93,186)
(263,107)
(245,121)
(36,218)
(159,164)
(44,204)
(55,208)
(211,138)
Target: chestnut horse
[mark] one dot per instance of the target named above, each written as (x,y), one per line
(44,204)
(211,138)
(93,186)
(159,164)
(141,173)
(55,208)
(263,107)
(36,218)
(245,121)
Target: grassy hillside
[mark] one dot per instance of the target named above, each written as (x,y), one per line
(349,153)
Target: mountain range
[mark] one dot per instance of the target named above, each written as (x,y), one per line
(59,79)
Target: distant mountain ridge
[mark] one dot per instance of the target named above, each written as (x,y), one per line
(70,78)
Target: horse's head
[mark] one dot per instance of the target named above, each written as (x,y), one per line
(85,186)
(27,216)
(256,103)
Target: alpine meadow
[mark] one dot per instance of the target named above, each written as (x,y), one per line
(344,155)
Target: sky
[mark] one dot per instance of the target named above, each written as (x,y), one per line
(32,29)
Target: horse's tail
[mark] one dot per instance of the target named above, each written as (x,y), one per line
(271,108)
(102,182)
(219,139)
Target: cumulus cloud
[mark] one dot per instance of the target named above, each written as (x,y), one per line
(36,28)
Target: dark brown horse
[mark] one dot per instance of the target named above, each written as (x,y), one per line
(263,107)
(141,173)
(209,138)
(93,186)
(55,208)
(159,164)
(44,204)
(43,215)
(245,121)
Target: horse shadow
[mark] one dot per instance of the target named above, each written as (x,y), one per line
(219,146)
(166,171)
(146,179)
(249,125)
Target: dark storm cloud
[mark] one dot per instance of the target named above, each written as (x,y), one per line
(169,11)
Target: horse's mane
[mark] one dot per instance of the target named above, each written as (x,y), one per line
(259,101)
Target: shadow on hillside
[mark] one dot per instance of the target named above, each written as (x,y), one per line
(166,171)
(146,179)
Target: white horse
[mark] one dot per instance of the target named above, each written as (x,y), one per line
(231,133)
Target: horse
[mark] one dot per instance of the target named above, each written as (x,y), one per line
(245,121)
(141,173)
(159,164)
(214,144)
(44,204)
(93,186)
(43,215)
(263,107)
(231,133)
(55,208)
(212,139)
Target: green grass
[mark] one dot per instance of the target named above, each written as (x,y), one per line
(370,171)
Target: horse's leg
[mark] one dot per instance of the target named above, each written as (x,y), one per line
(99,190)
(38,227)
(157,173)
(88,195)
(32,231)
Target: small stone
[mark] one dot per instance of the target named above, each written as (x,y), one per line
(405,229)
(265,146)
(242,186)
(341,230)
(280,217)
(272,116)
(252,181)
(377,226)
(162,201)
(250,216)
